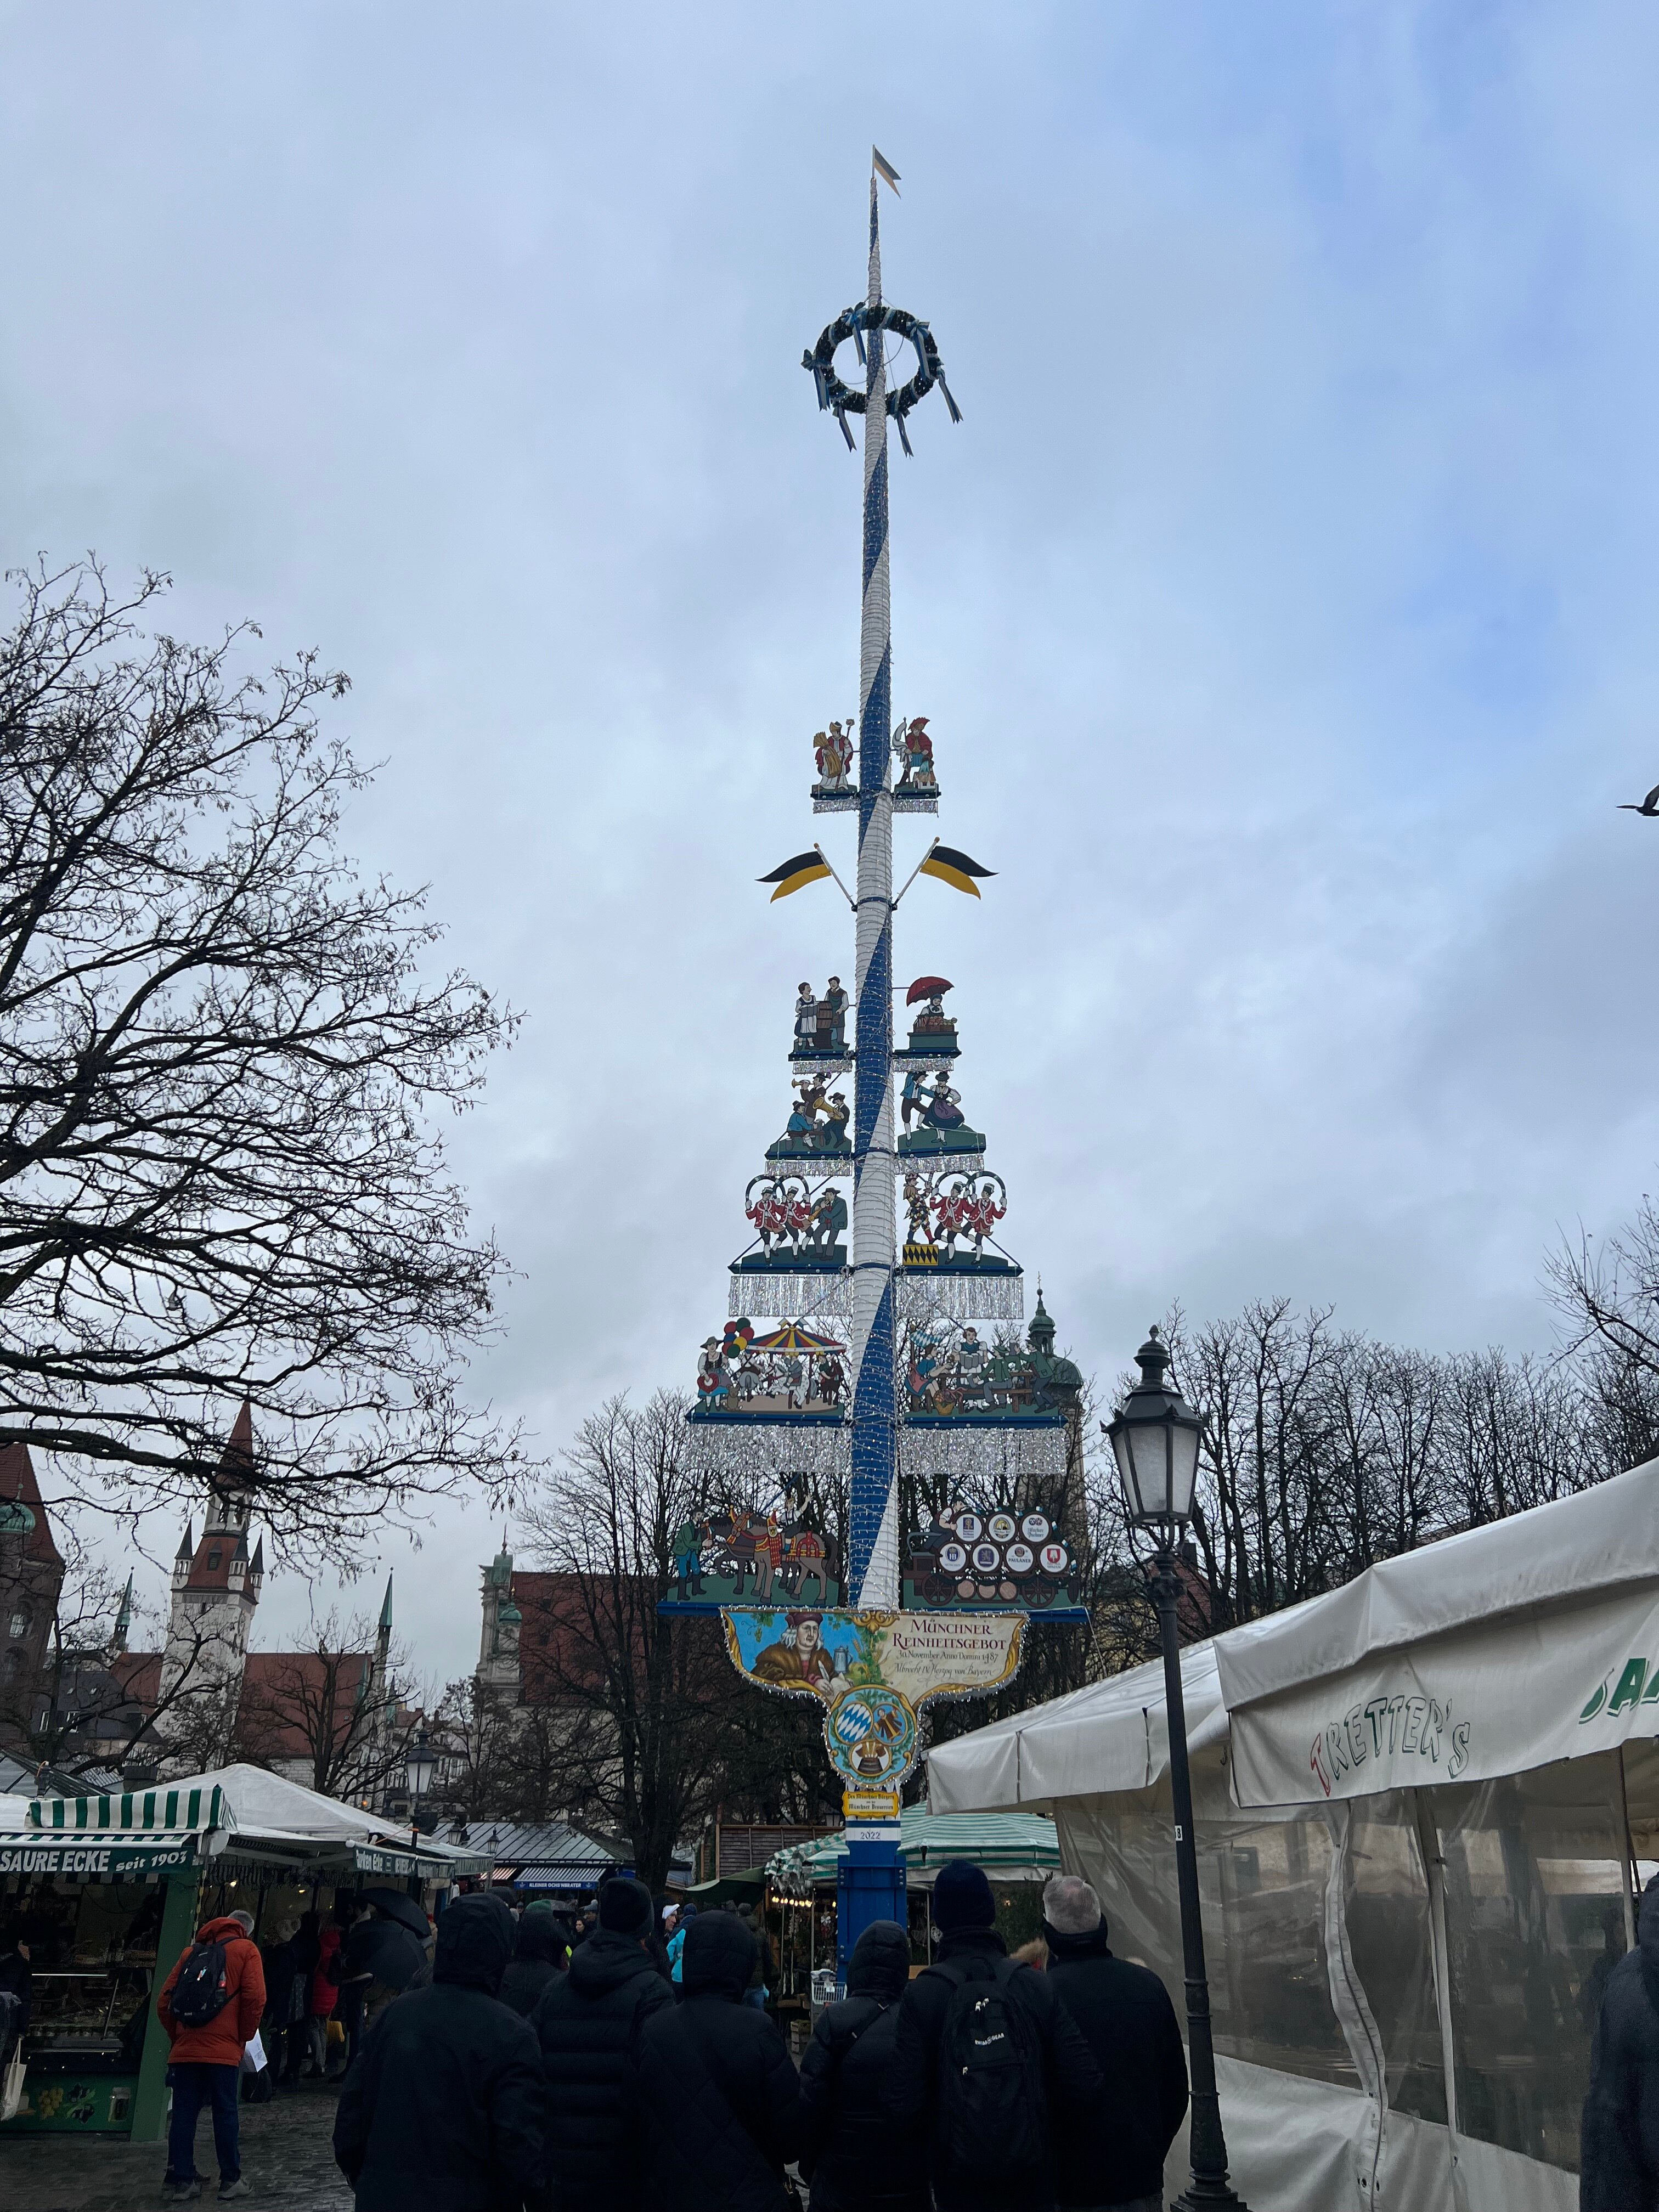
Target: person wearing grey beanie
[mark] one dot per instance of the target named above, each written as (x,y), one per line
(1113,2161)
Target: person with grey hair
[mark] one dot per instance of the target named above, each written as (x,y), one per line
(1116,2162)
(210,2006)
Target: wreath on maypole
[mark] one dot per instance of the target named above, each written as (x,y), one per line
(842,399)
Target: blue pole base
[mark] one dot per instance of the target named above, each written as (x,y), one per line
(870,1886)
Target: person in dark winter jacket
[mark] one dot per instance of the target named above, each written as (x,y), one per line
(283,2029)
(538,1953)
(445,2107)
(979,2163)
(849,2151)
(1115,2158)
(587,2021)
(1619,2143)
(717,2090)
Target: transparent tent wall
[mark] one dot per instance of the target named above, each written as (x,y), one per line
(1318,1932)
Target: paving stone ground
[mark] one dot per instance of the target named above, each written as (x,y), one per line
(286,2159)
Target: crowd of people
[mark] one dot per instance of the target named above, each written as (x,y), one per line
(632,2063)
(627,2061)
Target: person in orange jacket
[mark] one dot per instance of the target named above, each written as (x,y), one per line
(207,2055)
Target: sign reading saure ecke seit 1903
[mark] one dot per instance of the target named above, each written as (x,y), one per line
(88,1856)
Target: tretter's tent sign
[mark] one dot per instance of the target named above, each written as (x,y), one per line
(1556,1655)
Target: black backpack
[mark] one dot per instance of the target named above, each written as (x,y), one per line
(201,1990)
(992,2122)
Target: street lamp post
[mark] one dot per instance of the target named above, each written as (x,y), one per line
(419,1763)
(1155,1439)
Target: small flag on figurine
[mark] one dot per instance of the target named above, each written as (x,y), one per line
(805,868)
(954,868)
(884,168)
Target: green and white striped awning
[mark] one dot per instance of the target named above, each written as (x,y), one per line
(135,1812)
(1004,1842)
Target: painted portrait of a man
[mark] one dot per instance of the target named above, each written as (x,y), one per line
(798,1661)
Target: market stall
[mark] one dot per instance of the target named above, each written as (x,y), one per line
(1423,1803)
(109,1890)
(1016,1849)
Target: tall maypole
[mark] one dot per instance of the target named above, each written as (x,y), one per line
(981,1429)
(872,1562)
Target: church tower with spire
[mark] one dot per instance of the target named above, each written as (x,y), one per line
(216,1591)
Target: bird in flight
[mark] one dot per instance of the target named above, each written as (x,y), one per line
(1649,805)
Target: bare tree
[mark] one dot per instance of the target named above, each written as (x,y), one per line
(474,1733)
(88,1701)
(649,1703)
(219,1057)
(323,1709)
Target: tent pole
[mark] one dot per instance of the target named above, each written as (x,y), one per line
(1434,1867)
(1626,1854)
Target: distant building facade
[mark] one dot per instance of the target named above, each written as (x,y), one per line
(322,1718)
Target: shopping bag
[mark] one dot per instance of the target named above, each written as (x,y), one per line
(253,2057)
(336,2031)
(11,2089)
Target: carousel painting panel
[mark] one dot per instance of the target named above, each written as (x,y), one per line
(790,1372)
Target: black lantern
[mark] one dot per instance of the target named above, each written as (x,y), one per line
(1155,1440)
(420,1764)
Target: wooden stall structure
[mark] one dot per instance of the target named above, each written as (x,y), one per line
(111,1888)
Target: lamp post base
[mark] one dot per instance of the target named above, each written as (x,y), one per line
(1208,2195)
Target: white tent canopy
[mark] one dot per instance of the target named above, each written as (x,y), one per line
(245,1808)
(1479,1656)
(1418,1802)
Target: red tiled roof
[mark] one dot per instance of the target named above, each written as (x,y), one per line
(284,1694)
(556,1639)
(17,1483)
(211,1569)
(139,1674)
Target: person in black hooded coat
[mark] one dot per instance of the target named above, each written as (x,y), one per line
(538,1953)
(587,2021)
(717,2090)
(445,2109)
(1619,2145)
(848,2150)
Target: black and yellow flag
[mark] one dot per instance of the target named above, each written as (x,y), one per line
(955,868)
(804,868)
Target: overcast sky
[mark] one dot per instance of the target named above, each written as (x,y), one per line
(1283,606)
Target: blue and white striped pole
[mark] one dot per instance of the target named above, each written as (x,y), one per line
(873,1565)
